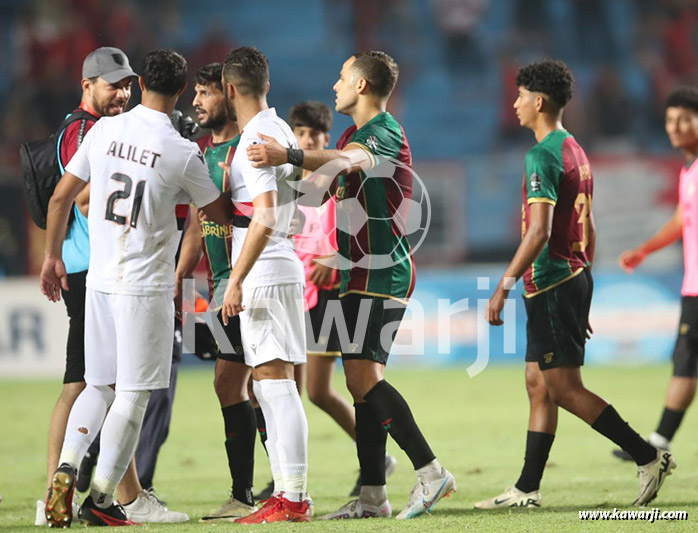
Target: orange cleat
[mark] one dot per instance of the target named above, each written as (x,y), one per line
(278,510)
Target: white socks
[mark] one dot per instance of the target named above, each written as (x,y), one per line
(287,433)
(120,433)
(430,472)
(271,439)
(659,441)
(84,422)
(373,495)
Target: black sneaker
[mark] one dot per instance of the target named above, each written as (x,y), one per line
(266,492)
(390,464)
(85,472)
(114,515)
(59,501)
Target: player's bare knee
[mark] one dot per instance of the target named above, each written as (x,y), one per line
(318,395)
(71,391)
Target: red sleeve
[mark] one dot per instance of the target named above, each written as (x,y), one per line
(69,140)
(204,142)
(344,139)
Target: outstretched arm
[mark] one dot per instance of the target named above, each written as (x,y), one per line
(668,234)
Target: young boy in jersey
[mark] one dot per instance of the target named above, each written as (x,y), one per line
(266,285)
(139,168)
(231,373)
(370,285)
(555,258)
(682,130)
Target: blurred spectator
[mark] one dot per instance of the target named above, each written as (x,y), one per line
(458,20)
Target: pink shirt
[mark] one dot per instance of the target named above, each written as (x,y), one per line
(688,199)
(318,238)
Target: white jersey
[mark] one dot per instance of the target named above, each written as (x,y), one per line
(139,168)
(278,263)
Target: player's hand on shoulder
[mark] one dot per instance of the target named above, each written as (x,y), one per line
(270,153)
(53,277)
(630,259)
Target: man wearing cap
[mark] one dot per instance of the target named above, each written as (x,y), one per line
(106,89)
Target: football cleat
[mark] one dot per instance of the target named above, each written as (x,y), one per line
(358,509)
(390,465)
(114,515)
(229,511)
(59,501)
(512,497)
(147,508)
(87,465)
(655,439)
(426,495)
(652,477)
(40,518)
(278,510)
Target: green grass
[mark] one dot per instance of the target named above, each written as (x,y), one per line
(475,426)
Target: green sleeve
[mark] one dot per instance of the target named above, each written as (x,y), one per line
(377,140)
(543,172)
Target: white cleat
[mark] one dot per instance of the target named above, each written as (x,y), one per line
(652,477)
(40,518)
(229,511)
(512,497)
(425,496)
(390,464)
(147,508)
(358,509)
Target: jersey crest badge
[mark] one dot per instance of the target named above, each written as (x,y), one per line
(535,182)
(372,142)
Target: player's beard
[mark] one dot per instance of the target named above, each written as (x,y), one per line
(215,121)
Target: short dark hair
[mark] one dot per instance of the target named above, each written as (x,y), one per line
(210,75)
(550,77)
(315,115)
(164,71)
(248,70)
(379,70)
(684,97)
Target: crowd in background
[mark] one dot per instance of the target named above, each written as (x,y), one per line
(458,60)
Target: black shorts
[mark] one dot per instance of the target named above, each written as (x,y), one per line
(686,349)
(382,317)
(317,343)
(74,299)
(557,323)
(232,331)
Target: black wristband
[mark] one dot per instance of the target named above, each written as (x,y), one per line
(295,156)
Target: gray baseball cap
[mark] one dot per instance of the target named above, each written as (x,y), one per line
(108,63)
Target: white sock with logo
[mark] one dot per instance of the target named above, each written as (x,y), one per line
(291,426)
(430,472)
(120,434)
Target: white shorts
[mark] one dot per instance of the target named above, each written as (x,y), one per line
(273,324)
(128,340)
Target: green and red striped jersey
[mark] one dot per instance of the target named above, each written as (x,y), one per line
(217,238)
(558,173)
(381,192)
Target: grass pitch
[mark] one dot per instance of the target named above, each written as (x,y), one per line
(477,428)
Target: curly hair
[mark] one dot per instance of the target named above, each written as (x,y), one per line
(550,77)
(315,115)
(210,75)
(684,97)
(164,71)
(248,70)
